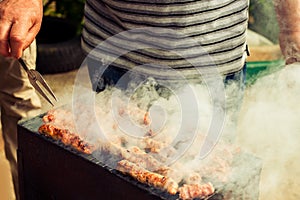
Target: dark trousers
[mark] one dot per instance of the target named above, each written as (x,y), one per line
(102,76)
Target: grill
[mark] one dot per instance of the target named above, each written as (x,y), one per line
(49,170)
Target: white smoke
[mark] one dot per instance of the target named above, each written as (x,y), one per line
(269,128)
(180,120)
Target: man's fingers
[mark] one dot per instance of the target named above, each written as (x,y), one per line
(18,38)
(4,38)
(17,20)
(16,46)
(21,37)
(4,48)
(12,38)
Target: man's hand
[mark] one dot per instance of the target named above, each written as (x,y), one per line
(290,45)
(20,21)
(288,15)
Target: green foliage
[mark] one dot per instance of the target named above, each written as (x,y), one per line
(263,19)
(71,10)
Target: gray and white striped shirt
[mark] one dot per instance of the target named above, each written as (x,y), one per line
(172,33)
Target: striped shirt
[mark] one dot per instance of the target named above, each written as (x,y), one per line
(162,36)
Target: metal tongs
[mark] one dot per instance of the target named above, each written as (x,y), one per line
(37,81)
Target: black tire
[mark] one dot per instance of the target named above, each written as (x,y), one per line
(58,47)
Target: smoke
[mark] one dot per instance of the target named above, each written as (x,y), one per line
(269,128)
(177,121)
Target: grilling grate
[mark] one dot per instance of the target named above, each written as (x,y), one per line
(49,170)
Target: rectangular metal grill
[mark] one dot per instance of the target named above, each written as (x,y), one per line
(49,170)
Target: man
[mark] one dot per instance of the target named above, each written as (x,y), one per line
(17,97)
(166,28)
(17,100)
(219,26)
(21,20)
(221,23)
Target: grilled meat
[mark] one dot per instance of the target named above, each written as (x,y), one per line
(152,145)
(66,137)
(195,191)
(135,155)
(60,118)
(147,177)
(49,117)
(135,161)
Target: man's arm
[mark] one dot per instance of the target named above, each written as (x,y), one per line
(20,21)
(288,15)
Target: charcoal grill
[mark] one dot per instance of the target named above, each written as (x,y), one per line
(49,170)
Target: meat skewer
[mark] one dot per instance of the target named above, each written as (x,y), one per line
(193,191)
(135,162)
(147,177)
(135,155)
(66,137)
